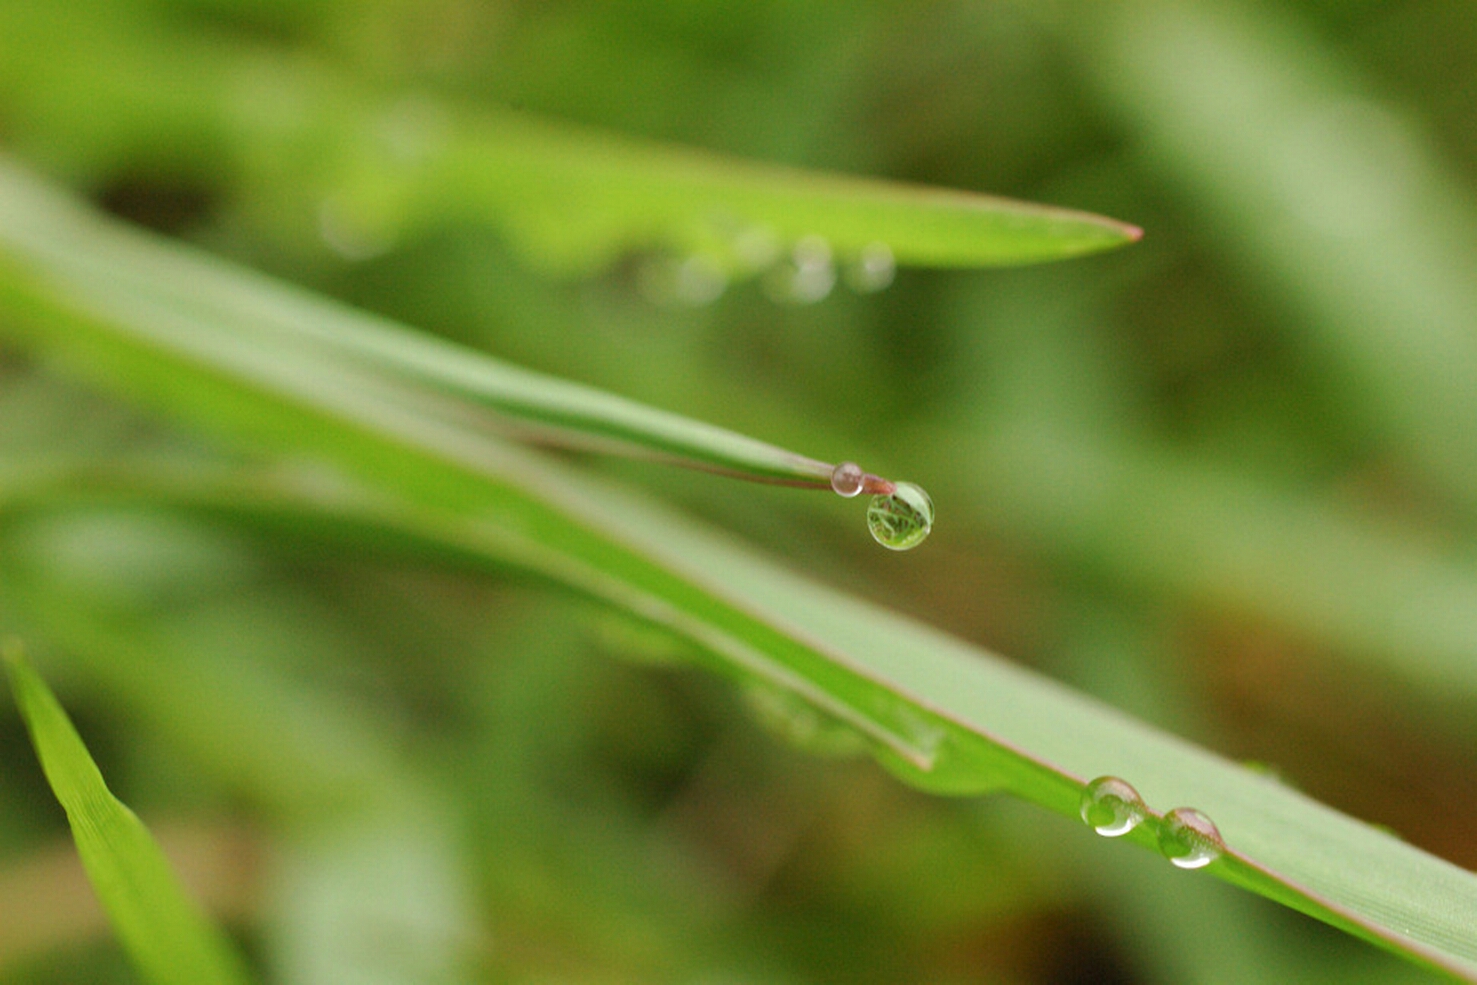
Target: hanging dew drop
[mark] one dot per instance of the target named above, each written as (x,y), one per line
(847,479)
(806,277)
(1112,807)
(902,519)
(1189,839)
(873,270)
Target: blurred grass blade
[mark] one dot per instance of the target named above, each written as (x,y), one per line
(527,404)
(1333,199)
(570,189)
(169,939)
(375,169)
(942,714)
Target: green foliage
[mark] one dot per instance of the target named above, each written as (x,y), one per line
(160,926)
(1219,481)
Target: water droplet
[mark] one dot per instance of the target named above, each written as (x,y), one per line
(790,717)
(349,230)
(694,280)
(901,520)
(414,129)
(872,270)
(847,479)
(756,247)
(1112,807)
(1189,839)
(806,277)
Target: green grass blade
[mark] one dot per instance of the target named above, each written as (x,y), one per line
(570,190)
(943,714)
(169,939)
(572,198)
(95,260)
(1271,138)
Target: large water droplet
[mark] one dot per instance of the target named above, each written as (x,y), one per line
(872,270)
(1189,839)
(902,519)
(847,479)
(1112,807)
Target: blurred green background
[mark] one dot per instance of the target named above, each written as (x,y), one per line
(1225,479)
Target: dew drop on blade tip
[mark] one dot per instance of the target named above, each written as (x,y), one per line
(1112,807)
(902,519)
(1189,839)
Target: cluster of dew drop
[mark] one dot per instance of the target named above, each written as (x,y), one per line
(900,515)
(1113,808)
(802,272)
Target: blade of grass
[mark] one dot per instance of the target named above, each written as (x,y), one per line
(164,932)
(374,169)
(1327,195)
(942,714)
(527,404)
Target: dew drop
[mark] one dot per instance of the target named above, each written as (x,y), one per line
(901,520)
(1112,807)
(847,479)
(1189,839)
(756,247)
(872,270)
(347,228)
(790,717)
(692,281)
(806,277)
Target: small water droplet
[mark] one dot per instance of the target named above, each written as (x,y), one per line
(806,276)
(793,719)
(901,520)
(693,280)
(414,129)
(756,247)
(847,479)
(350,231)
(1189,839)
(872,270)
(1112,807)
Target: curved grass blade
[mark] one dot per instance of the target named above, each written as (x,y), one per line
(169,939)
(944,715)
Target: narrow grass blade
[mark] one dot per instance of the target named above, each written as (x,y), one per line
(376,168)
(1239,106)
(576,193)
(165,933)
(944,715)
(96,261)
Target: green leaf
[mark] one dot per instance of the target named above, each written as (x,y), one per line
(164,932)
(238,352)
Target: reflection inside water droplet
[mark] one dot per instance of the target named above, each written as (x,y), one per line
(1189,839)
(902,520)
(872,270)
(1112,807)
(847,479)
